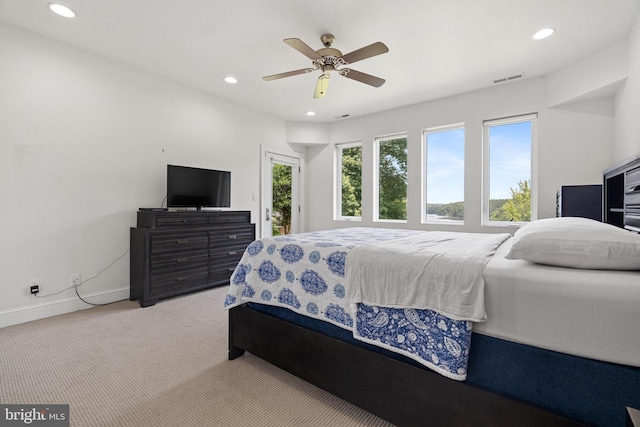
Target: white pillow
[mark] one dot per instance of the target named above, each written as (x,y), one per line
(577,243)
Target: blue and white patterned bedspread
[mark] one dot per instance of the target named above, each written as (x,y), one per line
(306,273)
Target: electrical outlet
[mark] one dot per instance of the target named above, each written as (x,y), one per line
(75,280)
(34,285)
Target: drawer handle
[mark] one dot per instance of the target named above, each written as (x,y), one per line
(182,260)
(181,279)
(182,241)
(233,236)
(231,269)
(233,253)
(634,189)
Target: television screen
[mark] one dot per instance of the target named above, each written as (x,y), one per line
(195,187)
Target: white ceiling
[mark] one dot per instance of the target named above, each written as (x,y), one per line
(436,47)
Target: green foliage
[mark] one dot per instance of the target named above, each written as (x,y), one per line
(281,216)
(352,181)
(495,204)
(517,208)
(393,179)
(453,210)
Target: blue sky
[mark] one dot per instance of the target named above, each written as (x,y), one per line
(445,166)
(510,158)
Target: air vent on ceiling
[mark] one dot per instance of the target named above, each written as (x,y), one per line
(508,79)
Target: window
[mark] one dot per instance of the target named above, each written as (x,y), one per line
(391,180)
(349,181)
(508,164)
(443,174)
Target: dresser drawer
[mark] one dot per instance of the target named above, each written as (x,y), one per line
(170,219)
(229,250)
(226,258)
(241,217)
(632,198)
(178,241)
(221,273)
(174,261)
(632,188)
(633,177)
(236,247)
(632,220)
(231,237)
(175,281)
(180,220)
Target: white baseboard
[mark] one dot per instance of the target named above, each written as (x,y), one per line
(54,308)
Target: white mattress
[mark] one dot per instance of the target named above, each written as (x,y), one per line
(588,313)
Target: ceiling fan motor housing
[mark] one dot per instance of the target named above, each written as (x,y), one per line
(329,56)
(327,40)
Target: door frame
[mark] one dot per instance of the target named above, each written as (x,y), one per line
(268,152)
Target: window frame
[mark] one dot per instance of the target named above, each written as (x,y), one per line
(376,177)
(425,134)
(486,165)
(337,189)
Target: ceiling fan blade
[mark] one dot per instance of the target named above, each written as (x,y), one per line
(288,74)
(303,48)
(373,49)
(321,86)
(362,77)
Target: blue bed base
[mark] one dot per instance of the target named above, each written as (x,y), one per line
(587,391)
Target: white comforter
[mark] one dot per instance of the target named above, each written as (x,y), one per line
(440,271)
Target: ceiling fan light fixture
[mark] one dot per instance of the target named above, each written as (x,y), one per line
(322,85)
(543,33)
(62,10)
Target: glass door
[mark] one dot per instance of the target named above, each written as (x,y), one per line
(281,207)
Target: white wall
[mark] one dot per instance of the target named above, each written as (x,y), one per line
(84,142)
(307,133)
(589,77)
(627,127)
(574,147)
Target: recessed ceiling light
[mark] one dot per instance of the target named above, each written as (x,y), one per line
(311,113)
(62,10)
(231,80)
(543,34)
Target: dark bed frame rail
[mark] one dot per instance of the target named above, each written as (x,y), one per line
(404,395)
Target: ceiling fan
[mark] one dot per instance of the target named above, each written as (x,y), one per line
(329,59)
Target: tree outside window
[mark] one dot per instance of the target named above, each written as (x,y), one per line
(350,169)
(392,178)
(281,215)
(509,143)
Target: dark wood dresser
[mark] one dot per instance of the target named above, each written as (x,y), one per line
(173,253)
(622,194)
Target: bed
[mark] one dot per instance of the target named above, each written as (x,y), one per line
(551,345)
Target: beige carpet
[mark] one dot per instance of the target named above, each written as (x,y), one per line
(166,365)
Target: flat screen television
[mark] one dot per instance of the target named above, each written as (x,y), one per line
(196,187)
